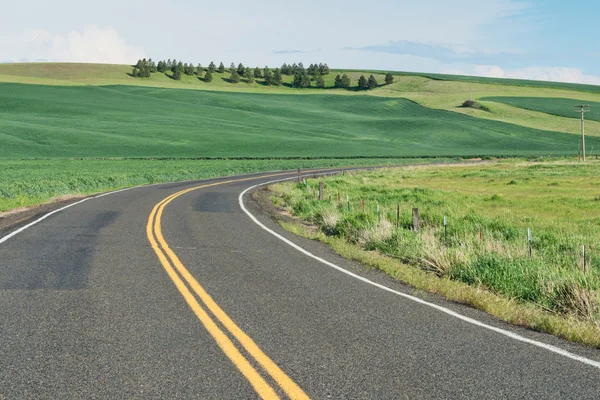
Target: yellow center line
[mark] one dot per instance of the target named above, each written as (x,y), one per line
(265,391)
(261,387)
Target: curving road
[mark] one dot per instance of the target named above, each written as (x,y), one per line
(184,290)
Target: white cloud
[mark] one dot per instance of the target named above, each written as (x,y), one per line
(92,45)
(554,74)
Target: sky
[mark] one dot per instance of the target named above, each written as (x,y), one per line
(535,39)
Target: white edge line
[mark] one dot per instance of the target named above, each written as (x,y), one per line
(445,310)
(15,233)
(37,221)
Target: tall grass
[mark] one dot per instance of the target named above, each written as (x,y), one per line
(489,209)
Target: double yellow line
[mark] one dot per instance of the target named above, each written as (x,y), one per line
(180,276)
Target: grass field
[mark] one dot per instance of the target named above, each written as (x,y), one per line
(128,121)
(449,95)
(444,92)
(554,106)
(558,201)
(60,111)
(29,182)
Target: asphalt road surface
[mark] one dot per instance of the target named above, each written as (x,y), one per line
(173,291)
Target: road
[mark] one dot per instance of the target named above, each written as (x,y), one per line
(174,291)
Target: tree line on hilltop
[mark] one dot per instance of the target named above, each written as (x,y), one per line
(303,77)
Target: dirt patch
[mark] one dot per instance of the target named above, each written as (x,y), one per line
(14,219)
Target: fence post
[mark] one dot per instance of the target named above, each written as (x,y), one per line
(299,173)
(339,200)
(416,220)
(529,242)
(321,190)
(362,202)
(397,215)
(445,223)
(584,260)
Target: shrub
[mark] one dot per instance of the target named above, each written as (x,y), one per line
(475,105)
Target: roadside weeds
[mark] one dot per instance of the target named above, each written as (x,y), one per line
(509,310)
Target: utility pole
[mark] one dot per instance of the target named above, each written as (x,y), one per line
(583,109)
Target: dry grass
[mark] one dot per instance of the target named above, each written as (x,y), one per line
(527,315)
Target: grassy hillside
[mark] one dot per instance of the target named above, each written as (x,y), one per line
(443,92)
(497,81)
(128,121)
(64,111)
(558,106)
(449,95)
(109,74)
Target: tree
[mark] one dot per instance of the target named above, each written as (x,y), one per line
(152,66)
(389,79)
(372,83)
(177,74)
(362,83)
(285,69)
(235,77)
(301,80)
(249,75)
(141,69)
(232,67)
(161,67)
(188,69)
(346,82)
(325,69)
(320,82)
(257,73)
(208,77)
(277,79)
(169,64)
(268,76)
(266,71)
(241,69)
(199,70)
(145,71)
(316,74)
(338,81)
(173,65)
(221,68)
(212,67)
(305,80)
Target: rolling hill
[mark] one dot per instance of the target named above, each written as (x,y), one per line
(442,92)
(136,122)
(84,128)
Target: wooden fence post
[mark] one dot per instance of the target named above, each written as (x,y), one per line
(416,220)
(321,190)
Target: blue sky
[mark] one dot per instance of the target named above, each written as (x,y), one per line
(547,40)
